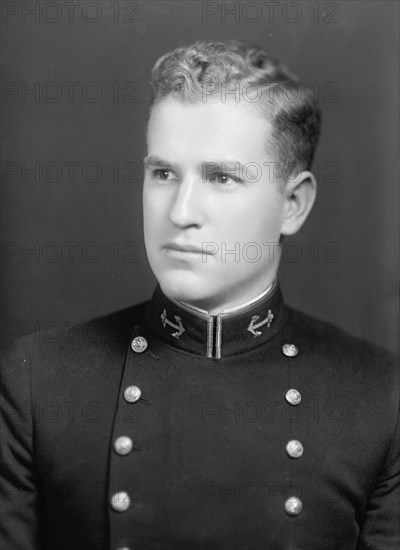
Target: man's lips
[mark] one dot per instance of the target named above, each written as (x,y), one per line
(186,248)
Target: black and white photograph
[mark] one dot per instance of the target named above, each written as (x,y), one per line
(199,275)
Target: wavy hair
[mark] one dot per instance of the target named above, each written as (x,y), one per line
(199,71)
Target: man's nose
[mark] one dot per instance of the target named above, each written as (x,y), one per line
(185,207)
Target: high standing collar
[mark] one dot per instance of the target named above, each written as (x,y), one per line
(216,336)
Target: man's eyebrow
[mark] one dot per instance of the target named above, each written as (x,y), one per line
(156,161)
(227,165)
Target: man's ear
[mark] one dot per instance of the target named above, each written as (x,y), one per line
(299,192)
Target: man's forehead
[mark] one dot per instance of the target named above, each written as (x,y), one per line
(171,105)
(217,132)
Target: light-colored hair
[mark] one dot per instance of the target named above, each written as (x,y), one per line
(193,73)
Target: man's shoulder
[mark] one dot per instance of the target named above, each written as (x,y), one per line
(117,323)
(73,342)
(325,340)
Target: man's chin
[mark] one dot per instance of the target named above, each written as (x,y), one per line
(189,288)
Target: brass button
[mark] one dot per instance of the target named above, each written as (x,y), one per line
(120,502)
(123,445)
(293,506)
(290,350)
(294,448)
(139,344)
(293,397)
(132,394)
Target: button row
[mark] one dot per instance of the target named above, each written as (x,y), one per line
(294,448)
(120,502)
(123,444)
(139,344)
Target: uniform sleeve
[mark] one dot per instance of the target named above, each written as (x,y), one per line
(380,529)
(20,501)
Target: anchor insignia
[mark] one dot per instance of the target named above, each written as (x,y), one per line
(179,327)
(254,325)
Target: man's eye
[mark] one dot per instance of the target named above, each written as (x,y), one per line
(161,174)
(223,178)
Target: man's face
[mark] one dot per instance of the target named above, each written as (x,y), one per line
(197,196)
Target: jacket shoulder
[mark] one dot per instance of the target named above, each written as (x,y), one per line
(74,344)
(117,324)
(326,339)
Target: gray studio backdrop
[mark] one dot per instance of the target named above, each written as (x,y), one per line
(74,104)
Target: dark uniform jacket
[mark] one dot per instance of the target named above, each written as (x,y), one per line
(161,428)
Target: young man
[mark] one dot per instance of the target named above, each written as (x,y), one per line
(212,416)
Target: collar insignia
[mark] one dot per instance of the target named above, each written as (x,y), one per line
(180,328)
(254,325)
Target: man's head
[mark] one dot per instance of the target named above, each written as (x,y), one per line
(231,137)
